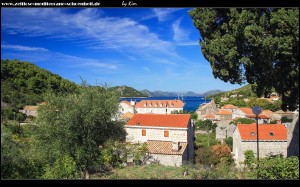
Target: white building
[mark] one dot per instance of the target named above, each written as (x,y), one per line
(158,106)
(272,140)
(126,106)
(169,137)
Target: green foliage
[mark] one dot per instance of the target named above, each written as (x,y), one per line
(194,116)
(205,125)
(278,167)
(206,140)
(238,103)
(285,119)
(114,153)
(63,168)
(249,157)
(23,83)
(205,156)
(17,160)
(76,124)
(242,121)
(257,45)
(229,141)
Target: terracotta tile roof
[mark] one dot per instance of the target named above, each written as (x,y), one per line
(247,111)
(165,147)
(160,120)
(224,112)
(159,104)
(209,116)
(125,102)
(265,131)
(127,115)
(30,108)
(267,112)
(229,106)
(261,116)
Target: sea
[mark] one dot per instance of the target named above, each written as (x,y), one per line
(191,103)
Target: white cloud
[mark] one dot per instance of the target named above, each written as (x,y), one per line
(22,48)
(92,29)
(163,14)
(181,36)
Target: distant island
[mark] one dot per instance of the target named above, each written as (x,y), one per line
(174,94)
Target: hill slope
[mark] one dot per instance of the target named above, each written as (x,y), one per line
(126,91)
(23,83)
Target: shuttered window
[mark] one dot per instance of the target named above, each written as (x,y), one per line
(143,132)
(166,133)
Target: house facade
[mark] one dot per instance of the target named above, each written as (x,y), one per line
(158,106)
(272,140)
(223,115)
(126,106)
(169,137)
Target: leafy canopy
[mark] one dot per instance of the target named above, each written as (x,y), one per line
(72,127)
(258,45)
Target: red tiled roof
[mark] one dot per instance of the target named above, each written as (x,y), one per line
(261,116)
(229,106)
(209,116)
(160,120)
(126,102)
(165,147)
(224,112)
(159,104)
(247,111)
(267,112)
(248,131)
(127,115)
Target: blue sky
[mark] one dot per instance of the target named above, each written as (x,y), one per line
(145,48)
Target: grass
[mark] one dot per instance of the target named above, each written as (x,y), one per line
(156,171)
(151,171)
(202,139)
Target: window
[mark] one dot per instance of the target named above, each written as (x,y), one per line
(252,133)
(143,132)
(271,133)
(166,133)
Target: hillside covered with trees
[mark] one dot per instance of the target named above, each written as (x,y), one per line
(23,83)
(126,91)
(245,97)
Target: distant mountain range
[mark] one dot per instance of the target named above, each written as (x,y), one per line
(174,94)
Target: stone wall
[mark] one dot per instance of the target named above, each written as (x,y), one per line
(293,137)
(167,160)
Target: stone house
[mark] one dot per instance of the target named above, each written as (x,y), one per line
(169,137)
(246,112)
(158,106)
(229,107)
(206,109)
(224,115)
(223,132)
(272,140)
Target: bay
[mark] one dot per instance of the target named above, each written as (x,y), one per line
(191,103)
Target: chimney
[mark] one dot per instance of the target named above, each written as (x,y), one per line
(279,121)
(239,122)
(175,146)
(132,103)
